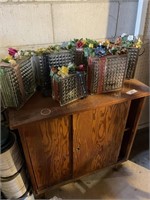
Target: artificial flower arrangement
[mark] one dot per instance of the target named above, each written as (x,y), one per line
(65,71)
(14,55)
(68,83)
(102,48)
(85,45)
(62,72)
(88,46)
(133,45)
(50,49)
(128,41)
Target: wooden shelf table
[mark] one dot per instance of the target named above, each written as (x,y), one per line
(61,144)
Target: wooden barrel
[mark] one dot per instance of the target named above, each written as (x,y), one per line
(11,159)
(15,186)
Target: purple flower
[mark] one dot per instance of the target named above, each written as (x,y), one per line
(12,52)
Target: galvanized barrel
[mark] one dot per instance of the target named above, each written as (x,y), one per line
(11,159)
(15,186)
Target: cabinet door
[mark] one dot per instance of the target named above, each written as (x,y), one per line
(97,136)
(46,147)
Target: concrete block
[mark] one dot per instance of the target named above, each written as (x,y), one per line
(3,52)
(60,0)
(3,0)
(127,17)
(91,20)
(24,24)
(26,0)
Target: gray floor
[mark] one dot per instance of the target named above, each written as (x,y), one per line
(140,151)
(131,181)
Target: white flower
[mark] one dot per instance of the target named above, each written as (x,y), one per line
(123,34)
(16,55)
(130,38)
(19,53)
(26,53)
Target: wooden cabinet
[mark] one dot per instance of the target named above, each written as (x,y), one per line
(97,136)
(79,138)
(47,143)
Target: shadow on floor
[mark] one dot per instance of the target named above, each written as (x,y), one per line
(140,150)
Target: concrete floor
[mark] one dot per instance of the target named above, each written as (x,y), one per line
(140,151)
(130,181)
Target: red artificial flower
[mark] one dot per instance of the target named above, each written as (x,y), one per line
(12,51)
(80,68)
(79,44)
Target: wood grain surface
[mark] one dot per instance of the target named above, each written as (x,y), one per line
(31,111)
(47,144)
(97,137)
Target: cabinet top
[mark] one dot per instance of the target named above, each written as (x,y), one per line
(39,107)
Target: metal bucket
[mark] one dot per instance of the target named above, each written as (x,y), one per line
(10,159)
(15,186)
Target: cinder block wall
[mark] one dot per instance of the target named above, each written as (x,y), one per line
(33,23)
(30,24)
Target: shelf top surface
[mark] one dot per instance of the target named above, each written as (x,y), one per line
(39,107)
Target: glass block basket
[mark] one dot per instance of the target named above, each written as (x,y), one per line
(17,83)
(42,70)
(106,74)
(58,59)
(79,56)
(43,64)
(133,54)
(68,89)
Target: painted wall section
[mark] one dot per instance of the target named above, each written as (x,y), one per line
(89,20)
(29,24)
(25,24)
